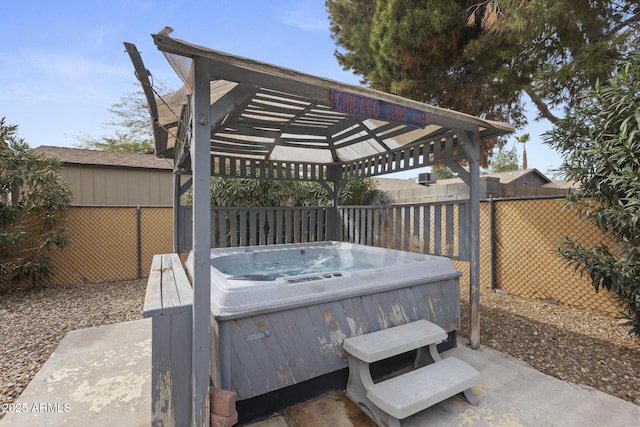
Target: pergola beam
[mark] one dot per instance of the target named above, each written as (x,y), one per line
(229,103)
(142,75)
(470,143)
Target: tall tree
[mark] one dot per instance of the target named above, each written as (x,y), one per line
(443,172)
(600,143)
(562,48)
(482,57)
(131,126)
(523,139)
(505,160)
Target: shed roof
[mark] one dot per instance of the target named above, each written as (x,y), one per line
(80,156)
(265,112)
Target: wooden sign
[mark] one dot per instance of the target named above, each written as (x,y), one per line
(349,103)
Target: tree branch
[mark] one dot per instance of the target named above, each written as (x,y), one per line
(542,107)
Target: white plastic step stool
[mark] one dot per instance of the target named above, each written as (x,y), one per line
(399,397)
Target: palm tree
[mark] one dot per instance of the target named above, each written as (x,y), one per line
(524,138)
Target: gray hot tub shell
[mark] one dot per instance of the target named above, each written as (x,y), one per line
(271,333)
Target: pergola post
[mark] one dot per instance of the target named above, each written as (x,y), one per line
(201,167)
(470,142)
(176,211)
(334,220)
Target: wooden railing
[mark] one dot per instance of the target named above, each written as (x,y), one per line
(432,228)
(238,226)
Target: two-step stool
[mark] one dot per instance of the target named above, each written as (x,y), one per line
(394,399)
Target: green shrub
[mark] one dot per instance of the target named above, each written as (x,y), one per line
(600,142)
(33,205)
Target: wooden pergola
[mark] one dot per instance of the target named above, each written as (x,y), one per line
(236,117)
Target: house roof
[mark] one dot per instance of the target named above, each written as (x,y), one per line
(563,184)
(390,184)
(79,156)
(504,177)
(510,176)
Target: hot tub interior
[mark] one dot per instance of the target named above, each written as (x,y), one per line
(271,263)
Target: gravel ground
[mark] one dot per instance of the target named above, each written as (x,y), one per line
(574,345)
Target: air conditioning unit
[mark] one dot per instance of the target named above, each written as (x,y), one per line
(427,178)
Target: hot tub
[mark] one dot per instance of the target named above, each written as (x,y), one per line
(281,312)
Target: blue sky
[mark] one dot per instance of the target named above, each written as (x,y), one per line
(63,64)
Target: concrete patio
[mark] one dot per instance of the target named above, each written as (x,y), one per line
(101,377)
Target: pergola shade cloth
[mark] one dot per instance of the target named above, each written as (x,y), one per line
(264,113)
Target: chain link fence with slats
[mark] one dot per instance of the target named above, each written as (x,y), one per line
(118,243)
(112,243)
(525,262)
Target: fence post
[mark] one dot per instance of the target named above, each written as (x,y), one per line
(492,244)
(139,241)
